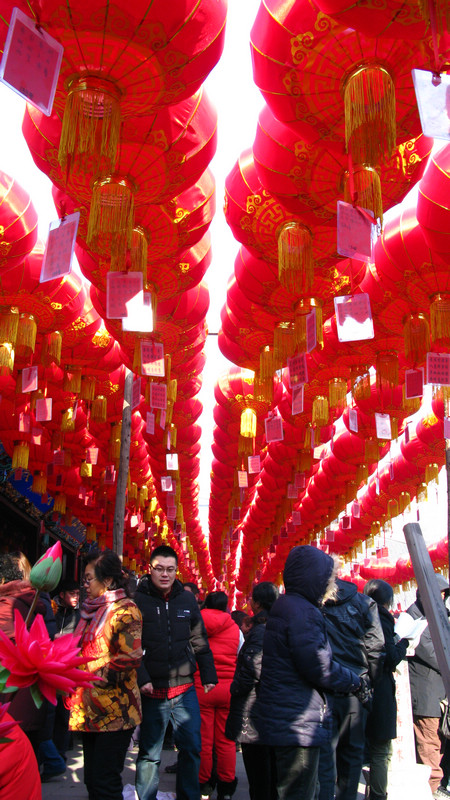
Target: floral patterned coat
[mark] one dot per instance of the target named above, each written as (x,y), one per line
(113,703)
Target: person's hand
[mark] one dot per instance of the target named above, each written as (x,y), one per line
(208,686)
(364,692)
(147,689)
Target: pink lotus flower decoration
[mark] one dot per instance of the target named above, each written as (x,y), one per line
(6,723)
(46,666)
(46,573)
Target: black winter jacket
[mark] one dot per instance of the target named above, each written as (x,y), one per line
(354,630)
(174,638)
(382,720)
(240,726)
(427,687)
(298,670)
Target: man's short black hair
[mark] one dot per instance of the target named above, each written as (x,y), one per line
(193,587)
(163,551)
(265,593)
(217,601)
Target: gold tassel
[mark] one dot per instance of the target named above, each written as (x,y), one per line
(440,318)
(139,252)
(67,458)
(367,186)
(410,404)
(59,504)
(375,528)
(57,440)
(137,356)
(172,390)
(87,388)
(167,366)
(394,428)
(263,389)
(370,126)
(9,324)
(362,473)
(51,348)
(337,393)
(432,473)
(245,446)
(85,469)
(320,411)
(142,496)
(305,458)
(111,215)
(387,369)
(360,380)
(307,441)
(371,451)
(404,502)
(302,309)
(20,456)
(169,413)
(295,258)
(72,380)
(283,344)
(68,421)
(351,488)
(6,358)
(422,493)
(91,124)
(248,423)
(26,336)
(116,433)
(416,335)
(392,508)
(132,491)
(39,485)
(91,533)
(266,364)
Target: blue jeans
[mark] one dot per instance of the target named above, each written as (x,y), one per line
(184,712)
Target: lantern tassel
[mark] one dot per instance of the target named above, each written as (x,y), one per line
(440,318)
(416,336)
(367,188)
(111,216)
(369,105)
(26,336)
(295,258)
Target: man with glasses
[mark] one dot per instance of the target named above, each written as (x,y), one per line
(174,641)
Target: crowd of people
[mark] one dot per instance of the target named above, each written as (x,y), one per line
(303,686)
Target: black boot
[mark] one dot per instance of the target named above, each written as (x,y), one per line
(206,789)
(226,789)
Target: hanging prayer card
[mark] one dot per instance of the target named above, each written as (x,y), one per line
(438,368)
(59,248)
(433,101)
(414,380)
(152,359)
(274,429)
(356,231)
(353,317)
(31,62)
(121,287)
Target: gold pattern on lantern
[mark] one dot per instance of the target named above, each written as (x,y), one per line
(295,258)
(370,118)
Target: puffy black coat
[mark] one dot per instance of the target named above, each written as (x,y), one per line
(382,720)
(174,638)
(354,630)
(298,670)
(427,687)
(240,726)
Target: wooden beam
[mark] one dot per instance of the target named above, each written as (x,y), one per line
(431,598)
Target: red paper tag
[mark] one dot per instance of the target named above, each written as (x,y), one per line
(31,62)
(446,428)
(29,379)
(172,461)
(274,429)
(353,420)
(356,510)
(58,458)
(438,368)
(242,478)
(355,231)
(170,500)
(36,436)
(24,422)
(150,424)
(311,330)
(298,394)
(136,393)
(383,426)
(152,359)
(254,464)
(59,248)
(235,513)
(298,370)
(346,522)
(110,474)
(414,380)
(121,287)
(92,455)
(162,418)
(44,408)
(171,512)
(292,491)
(166,483)
(158,395)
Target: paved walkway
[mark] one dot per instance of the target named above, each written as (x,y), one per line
(70,786)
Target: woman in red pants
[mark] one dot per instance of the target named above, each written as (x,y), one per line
(224,638)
